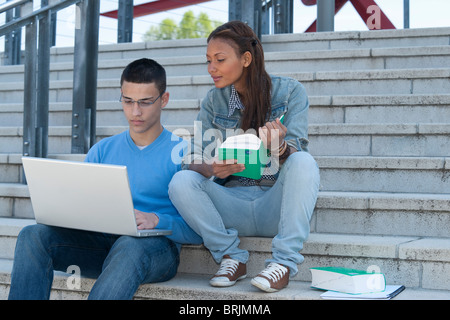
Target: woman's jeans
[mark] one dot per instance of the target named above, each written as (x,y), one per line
(219,214)
(121,263)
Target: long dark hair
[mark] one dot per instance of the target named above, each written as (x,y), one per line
(257,97)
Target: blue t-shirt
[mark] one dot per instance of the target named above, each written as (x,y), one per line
(150,171)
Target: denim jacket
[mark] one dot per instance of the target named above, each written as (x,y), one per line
(213,125)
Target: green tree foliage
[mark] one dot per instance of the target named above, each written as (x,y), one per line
(189,27)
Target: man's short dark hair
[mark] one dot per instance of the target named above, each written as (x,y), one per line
(145,71)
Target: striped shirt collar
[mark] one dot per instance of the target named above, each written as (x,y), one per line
(234,102)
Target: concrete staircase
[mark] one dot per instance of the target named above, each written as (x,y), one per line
(379,129)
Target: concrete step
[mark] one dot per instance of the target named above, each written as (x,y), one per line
(355,82)
(384,140)
(395,108)
(195,287)
(273,43)
(342,173)
(188,287)
(315,60)
(15,201)
(357,39)
(11,165)
(421,108)
(385,174)
(415,262)
(177,112)
(359,59)
(154,50)
(379,140)
(409,214)
(371,82)
(379,213)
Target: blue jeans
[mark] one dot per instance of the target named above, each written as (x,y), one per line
(220,214)
(121,263)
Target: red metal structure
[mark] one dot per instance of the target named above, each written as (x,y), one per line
(361,7)
(155,7)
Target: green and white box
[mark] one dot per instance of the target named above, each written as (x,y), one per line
(247,149)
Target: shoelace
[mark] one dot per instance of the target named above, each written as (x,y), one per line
(274,271)
(228,266)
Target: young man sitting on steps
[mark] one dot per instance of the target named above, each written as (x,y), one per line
(120,263)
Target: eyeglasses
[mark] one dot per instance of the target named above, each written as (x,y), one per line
(143,103)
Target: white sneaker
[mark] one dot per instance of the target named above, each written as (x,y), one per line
(229,272)
(273,278)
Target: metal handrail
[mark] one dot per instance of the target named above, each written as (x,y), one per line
(37,14)
(12,4)
(37,69)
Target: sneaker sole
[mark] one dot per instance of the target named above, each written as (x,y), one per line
(263,287)
(226,284)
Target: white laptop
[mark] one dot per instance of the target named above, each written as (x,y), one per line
(85,196)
